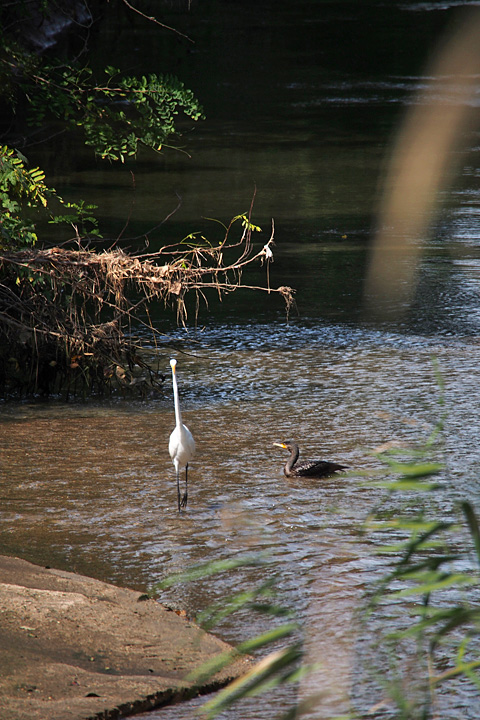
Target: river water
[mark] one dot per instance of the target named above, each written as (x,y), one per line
(300,104)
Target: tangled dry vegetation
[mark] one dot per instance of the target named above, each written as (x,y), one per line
(67,316)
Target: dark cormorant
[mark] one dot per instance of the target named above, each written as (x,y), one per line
(309,469)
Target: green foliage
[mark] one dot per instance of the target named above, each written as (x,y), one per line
(16,180)
(117,112)
(19,187)
(281,666)
(247,225)
(22,190)
(116,116)
(80,217)
(426,622)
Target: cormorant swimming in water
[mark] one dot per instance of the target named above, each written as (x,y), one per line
(309,469)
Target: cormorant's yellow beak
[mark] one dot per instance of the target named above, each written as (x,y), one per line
(282,445)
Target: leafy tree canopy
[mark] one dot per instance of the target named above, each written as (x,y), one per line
(117,113)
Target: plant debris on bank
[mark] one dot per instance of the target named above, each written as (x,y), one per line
(67,316)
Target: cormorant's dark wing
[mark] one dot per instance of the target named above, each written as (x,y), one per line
(318,469)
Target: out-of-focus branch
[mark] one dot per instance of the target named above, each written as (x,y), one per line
(153,19)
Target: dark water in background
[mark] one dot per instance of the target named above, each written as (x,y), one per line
(302,100)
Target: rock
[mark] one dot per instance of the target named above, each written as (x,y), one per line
(75,648)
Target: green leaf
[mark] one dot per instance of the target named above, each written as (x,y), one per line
(441,584)
(263,676)
(472,521)
(208,569)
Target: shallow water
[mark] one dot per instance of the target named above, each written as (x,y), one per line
(90,488)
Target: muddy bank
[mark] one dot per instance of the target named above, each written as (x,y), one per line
(75,648)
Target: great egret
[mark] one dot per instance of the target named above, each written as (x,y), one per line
(181,445)
(312,469)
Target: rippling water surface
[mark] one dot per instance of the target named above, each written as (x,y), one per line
(90,487)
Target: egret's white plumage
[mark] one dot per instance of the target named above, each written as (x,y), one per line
(181,445)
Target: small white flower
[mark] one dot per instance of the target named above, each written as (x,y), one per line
(268,251)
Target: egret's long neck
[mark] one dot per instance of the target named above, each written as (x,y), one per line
(178,414)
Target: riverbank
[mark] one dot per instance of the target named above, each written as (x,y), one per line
(75,648)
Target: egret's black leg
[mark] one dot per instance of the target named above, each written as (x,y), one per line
(178,490)
(185,496)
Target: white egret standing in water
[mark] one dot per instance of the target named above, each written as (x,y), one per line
(182,445)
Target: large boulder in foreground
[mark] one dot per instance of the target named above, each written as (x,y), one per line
(73,648)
